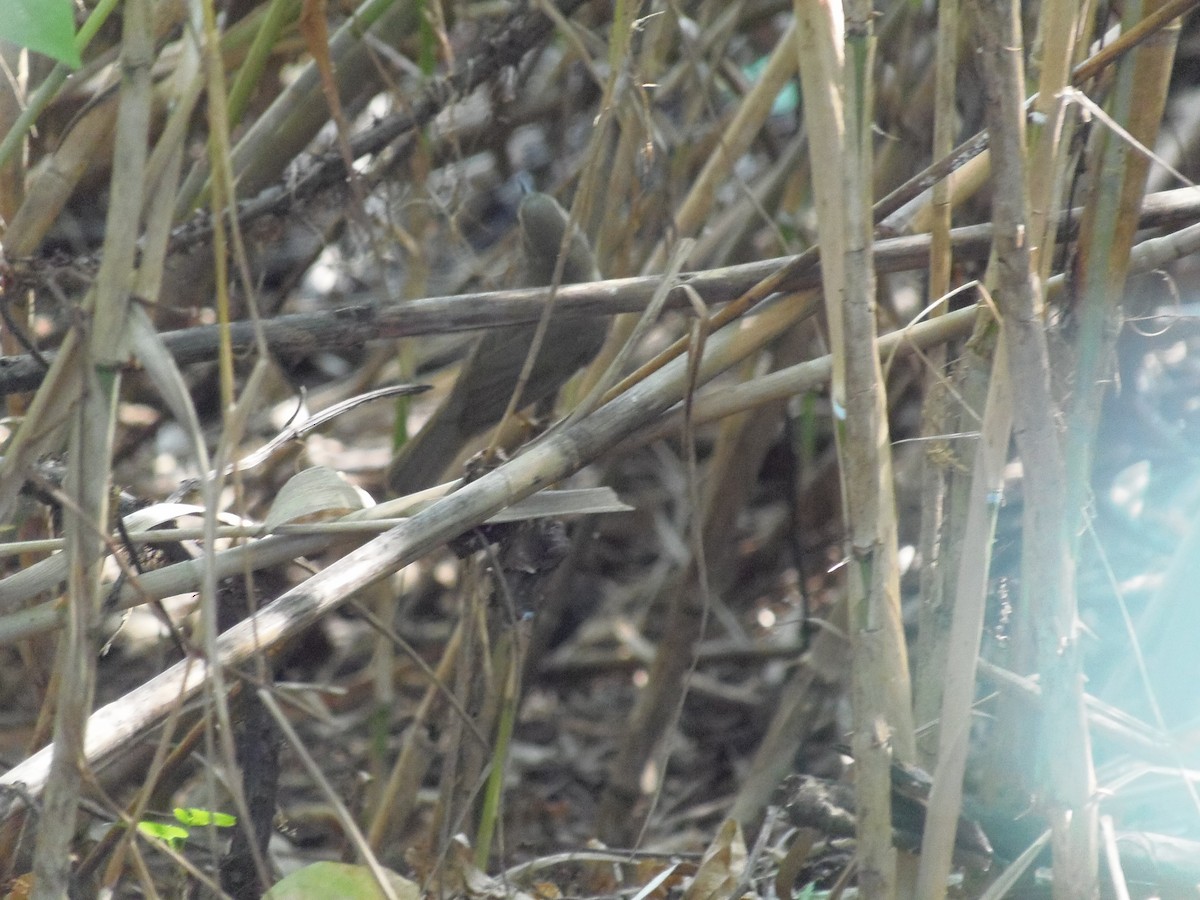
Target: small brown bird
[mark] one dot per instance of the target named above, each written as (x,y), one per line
(490,373)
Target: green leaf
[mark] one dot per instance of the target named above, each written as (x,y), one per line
(172,835)
(339,881)
(200,817)
(44,26)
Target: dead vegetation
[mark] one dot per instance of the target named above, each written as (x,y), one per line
(870,575)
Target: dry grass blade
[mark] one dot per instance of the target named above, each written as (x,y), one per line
(1046,554)
(839,111)
(91,442)
(970,601)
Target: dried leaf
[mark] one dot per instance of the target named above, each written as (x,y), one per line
(313,491)
(722,866)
